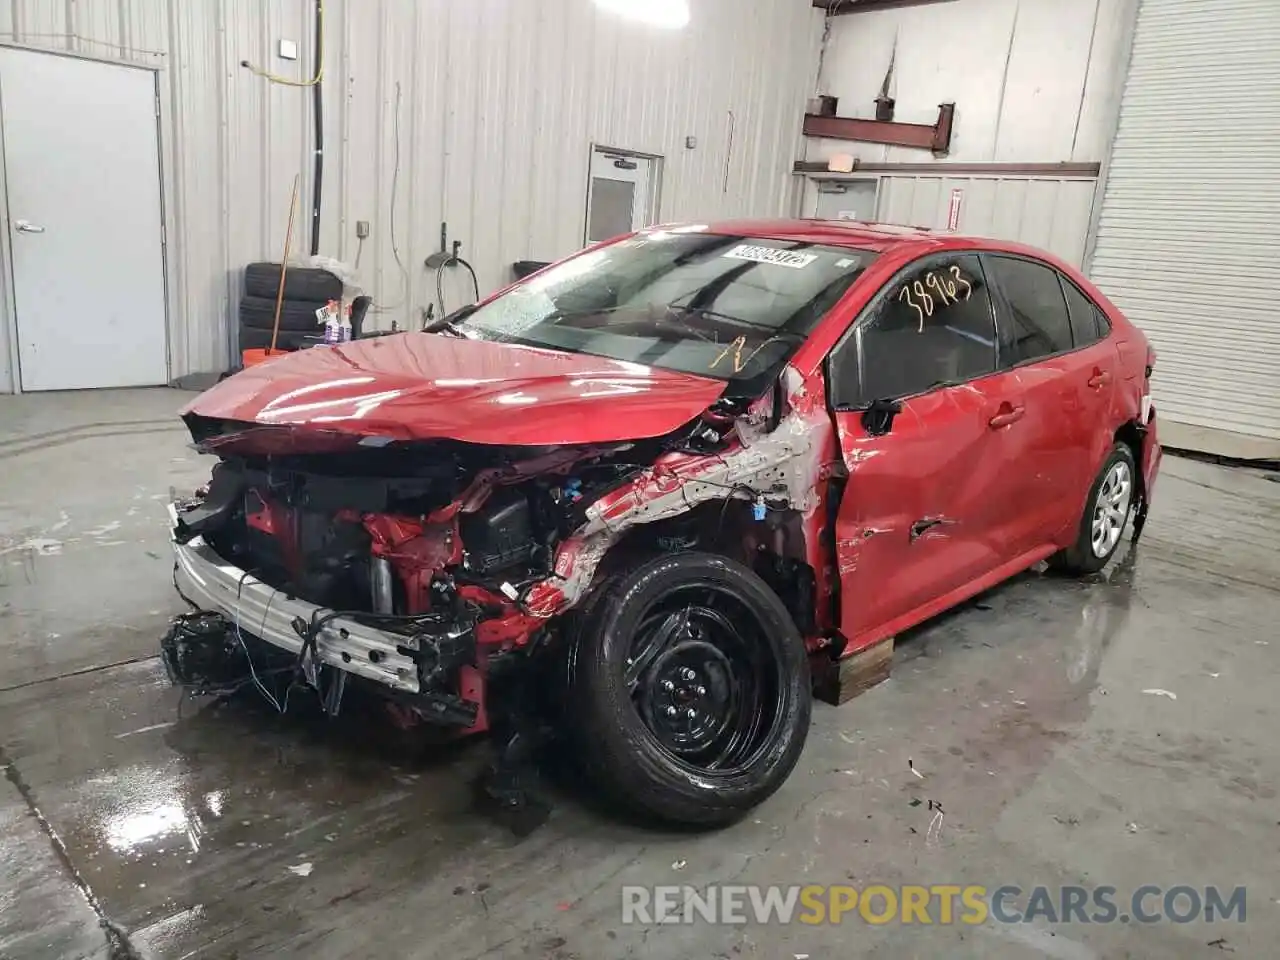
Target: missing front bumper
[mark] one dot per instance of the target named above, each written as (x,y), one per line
(392,660)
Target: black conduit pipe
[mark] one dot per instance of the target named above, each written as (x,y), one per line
(317,96)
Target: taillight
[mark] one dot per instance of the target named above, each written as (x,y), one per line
(1151,360)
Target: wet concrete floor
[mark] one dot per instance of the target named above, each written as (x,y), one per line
(135,826)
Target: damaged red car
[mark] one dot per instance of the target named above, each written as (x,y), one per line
(658,496)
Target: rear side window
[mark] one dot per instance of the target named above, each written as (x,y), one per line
(1101,322)
(1037,323)
(1087,323)
(932,326)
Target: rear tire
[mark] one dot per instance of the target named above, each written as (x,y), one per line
(1106,513)
(690,694)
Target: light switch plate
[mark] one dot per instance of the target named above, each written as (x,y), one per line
(288,50)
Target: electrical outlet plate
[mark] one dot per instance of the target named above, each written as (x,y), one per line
(288,50)
(362,229)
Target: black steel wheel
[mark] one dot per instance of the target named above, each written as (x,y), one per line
(690,687)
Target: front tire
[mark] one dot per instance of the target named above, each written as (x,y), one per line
(690,689)
(1107,511)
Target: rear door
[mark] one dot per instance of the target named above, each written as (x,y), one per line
(922,510)
(1099,364)
(1067,390)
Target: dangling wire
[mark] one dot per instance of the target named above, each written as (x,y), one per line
(287,81)
(405,282)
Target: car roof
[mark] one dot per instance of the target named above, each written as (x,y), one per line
(877,237)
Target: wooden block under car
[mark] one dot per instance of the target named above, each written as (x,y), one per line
(839,681)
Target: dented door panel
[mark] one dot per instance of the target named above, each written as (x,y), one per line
(922,512)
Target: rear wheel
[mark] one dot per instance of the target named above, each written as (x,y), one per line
(1106,513)
(690,689)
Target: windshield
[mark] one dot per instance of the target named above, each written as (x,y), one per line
(729,307)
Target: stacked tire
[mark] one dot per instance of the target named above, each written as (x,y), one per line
(306,290)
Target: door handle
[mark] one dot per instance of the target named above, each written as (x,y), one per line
(1007,416)
(1099,379)
(26,226)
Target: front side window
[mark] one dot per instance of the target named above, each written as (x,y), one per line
(931,326)
(1037,322)
(732,308)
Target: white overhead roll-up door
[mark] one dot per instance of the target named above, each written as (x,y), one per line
(1188,242)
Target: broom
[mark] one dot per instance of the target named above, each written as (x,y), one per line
(284,262)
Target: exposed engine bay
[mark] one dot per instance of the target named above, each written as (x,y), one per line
(421,565)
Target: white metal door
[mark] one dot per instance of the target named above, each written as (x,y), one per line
(846,200)
(83,176)
(620,196)
(1189,232)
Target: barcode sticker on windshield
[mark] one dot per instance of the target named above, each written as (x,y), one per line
(779,258)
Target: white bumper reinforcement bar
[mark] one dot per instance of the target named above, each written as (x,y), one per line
(263,611)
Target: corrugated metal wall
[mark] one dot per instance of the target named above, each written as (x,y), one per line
(1032,80)
(1188,226)
(496,103)
(1050,212)
(1033,83)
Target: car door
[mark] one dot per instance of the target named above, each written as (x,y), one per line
(1065,390)
(922,415)
(1097,372)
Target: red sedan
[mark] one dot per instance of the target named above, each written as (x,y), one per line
(655,495)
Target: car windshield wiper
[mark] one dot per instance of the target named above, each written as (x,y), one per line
(738,321)
(452,323)
(575,314)
(447,326)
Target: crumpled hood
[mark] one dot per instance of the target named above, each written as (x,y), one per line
(427,386)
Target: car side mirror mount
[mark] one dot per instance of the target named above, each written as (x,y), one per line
(877,419)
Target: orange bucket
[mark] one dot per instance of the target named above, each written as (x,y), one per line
(251,358)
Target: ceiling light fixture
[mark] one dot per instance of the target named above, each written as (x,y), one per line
(668,14)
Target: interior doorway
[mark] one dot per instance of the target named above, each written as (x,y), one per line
(622,192)
(85,238)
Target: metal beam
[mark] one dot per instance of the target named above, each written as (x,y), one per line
(978,169)
(841,7)
(935,137)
